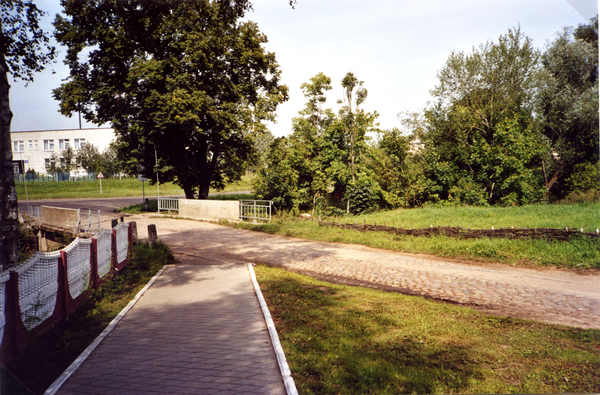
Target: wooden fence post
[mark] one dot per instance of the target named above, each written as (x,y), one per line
(94,264)
(63,280)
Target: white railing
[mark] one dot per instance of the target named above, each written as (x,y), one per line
(103,246)
(78,266)
(122,232)
(256,210)
(168,204)
(89,220)
(38,287)
(34,211)
(3,280)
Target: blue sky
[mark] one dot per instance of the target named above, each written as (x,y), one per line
(395,46)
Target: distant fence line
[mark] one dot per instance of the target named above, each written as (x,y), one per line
(48,287)
(35,177)
(458,232)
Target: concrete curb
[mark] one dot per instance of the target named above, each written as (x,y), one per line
(86,353)
(290,386)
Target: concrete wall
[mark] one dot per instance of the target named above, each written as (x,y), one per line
(57,217)
(210,209)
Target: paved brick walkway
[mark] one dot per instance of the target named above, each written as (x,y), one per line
(551,295)
(197,330)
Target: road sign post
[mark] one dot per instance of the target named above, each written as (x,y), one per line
(100,177)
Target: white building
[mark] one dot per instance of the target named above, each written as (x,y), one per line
(35,149)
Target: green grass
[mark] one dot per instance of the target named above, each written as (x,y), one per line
(585,215)
(125,187)
(37,367)
(350,340)
(579,253)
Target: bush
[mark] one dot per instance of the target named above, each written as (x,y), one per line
(144,254)
(27,243)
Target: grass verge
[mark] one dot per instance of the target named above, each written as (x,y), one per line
(46,358)
(111,187)
(350,340)
(579,253)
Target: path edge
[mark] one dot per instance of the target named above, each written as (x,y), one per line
(290,386)
(86,353)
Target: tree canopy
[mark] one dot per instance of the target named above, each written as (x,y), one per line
(24,50)
(185,81)
(507,124)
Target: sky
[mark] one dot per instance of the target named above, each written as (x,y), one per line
(395,46)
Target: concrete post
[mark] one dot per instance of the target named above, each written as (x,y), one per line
(152,236)
(134,234)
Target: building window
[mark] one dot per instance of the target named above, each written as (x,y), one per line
(63,144)
(48,145)
(35,145)
(30,143)
(79,143)
(18,146)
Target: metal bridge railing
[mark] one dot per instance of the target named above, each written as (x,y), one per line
(168,204)
(34,211)
(256,210)
(89,221)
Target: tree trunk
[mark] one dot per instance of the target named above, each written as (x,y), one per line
(9,225)
(203,190)
(552,182)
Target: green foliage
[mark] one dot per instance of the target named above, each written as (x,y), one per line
(363,195)
(27,243)
(188,81)
(323,155)
(145,255)
(24,45)
(568,106)
(89,158)
(481,147)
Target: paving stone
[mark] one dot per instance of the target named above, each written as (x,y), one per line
(198,330)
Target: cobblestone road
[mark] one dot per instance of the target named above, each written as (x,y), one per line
(550,295)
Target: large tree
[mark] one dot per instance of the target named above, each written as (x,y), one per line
(186,81)
(482,146)
(24,50)
(567,105)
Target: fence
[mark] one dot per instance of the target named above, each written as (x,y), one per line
(89,220)
(168,204)
(48,287)
(62,177)
(256,210)
(35,211)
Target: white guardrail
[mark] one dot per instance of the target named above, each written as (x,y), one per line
(256,210)
(168,204)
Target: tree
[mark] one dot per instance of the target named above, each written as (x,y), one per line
(187,81)
(482,107)
(24,50)
(321,156)
(567,105)
(89,158)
